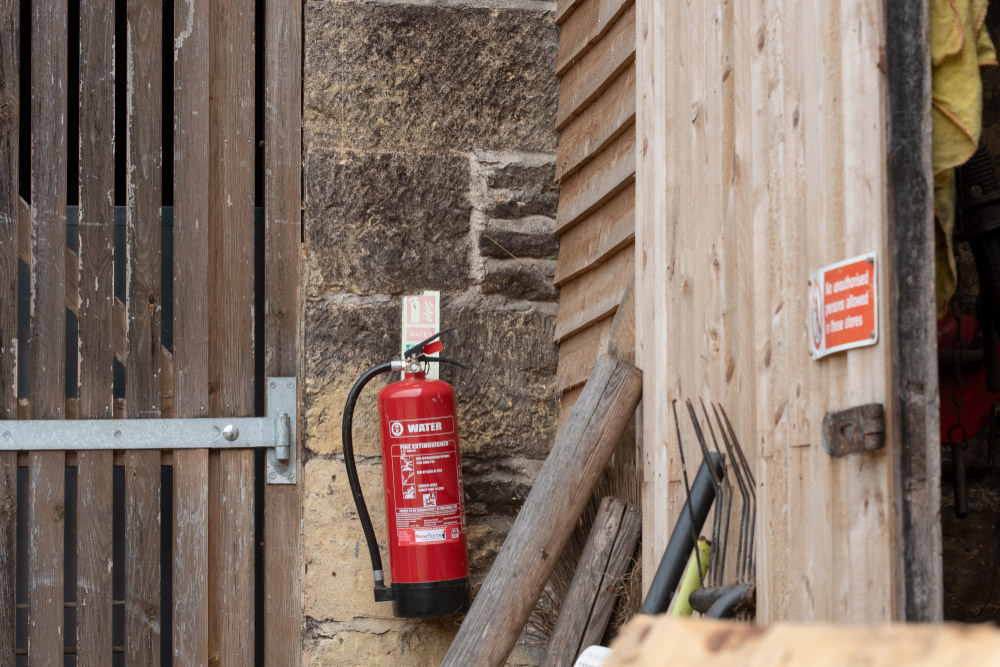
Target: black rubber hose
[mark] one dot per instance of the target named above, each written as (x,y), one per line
(725,606)
(682,540)
(352,471)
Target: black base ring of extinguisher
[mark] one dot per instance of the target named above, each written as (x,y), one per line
(432,598)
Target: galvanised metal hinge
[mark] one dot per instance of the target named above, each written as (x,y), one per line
(275,432)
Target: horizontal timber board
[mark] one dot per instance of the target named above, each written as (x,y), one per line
(584,28)
(594,295)
(579,352)
(611,171)
(597,237)
(599,124)
(595,71)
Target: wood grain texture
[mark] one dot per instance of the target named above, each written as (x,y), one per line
(94,557)
(92,297)
(232,209)
(48,326)
(95,269)
(142,557)
(612,170)
(578,354)
(142,363)
(595,71)
(586,608)
(594,295)
(585,27)
(46,516)
(283,219)
(920,581)
(543,526)
(612,113)
(597,238)
(10,44)
(765,159)
(647,641)
(564,8)
(192,166)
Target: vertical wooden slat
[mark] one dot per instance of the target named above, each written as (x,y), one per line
(48,325)
(143,199)
(232,83)
(282,210)
(95,303)
(9,103)
(191,326)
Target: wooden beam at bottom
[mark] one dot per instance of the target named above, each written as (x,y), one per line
(663,640)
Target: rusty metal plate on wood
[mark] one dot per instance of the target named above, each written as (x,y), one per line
(857,429)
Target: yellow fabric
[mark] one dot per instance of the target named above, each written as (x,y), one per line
(960,45)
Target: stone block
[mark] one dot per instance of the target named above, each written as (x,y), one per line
(532,237)
(430,77)
(386,223)
(342,341)
(398,642)
(507,399)
(523,279)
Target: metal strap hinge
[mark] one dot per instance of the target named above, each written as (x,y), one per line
(275,432)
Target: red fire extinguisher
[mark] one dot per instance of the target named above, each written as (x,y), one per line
(422,476)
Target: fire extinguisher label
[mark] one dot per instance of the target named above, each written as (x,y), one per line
(428,490)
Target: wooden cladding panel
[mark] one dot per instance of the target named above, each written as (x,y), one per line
(283,219)
(598,237)
(231,557)
(10,45)
(594,295)
(46,470)
(584,28)
(211,365)
(91,297)
(764,158)
(192,166)
(596,167)
(600,180)
(595,71)
(598,125)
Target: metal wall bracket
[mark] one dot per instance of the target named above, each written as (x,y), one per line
(857,429)
(276,432)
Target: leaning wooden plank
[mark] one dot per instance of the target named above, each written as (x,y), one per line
(594,295)
(596,583)
(282,211)
(584,28)
(608,174)
(94,301)
(232,86)
(597,69)
(564,8)
(664,640)
(48,325)
(579,455)
(10,46)
(597,238)
(142,363)
(191,326)
(589,133)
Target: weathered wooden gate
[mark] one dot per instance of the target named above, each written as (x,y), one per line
(183,117)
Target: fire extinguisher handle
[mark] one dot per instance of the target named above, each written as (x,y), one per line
(418,349)
(382,593)
(442,360)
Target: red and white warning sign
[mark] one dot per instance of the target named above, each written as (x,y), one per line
(421,320)
(843,306)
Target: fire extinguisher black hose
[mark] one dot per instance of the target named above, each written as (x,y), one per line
(382,593)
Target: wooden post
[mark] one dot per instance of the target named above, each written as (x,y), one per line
(587,606)
(546,520)
(10,46)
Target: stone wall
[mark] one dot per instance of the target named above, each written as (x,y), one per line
(429,159)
